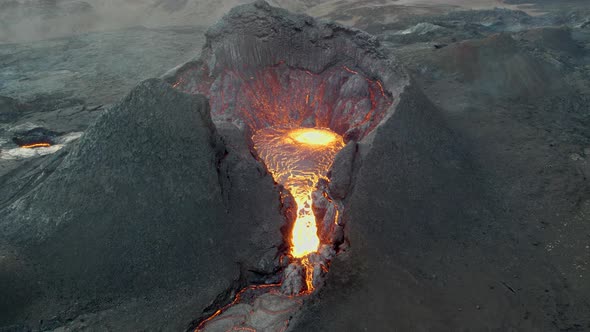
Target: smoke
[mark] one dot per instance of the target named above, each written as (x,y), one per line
(28,20)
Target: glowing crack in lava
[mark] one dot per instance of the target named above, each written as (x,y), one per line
(297,158)
(36,145)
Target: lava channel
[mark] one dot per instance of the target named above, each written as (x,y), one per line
(298,158)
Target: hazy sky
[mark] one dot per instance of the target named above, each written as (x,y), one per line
(23,20)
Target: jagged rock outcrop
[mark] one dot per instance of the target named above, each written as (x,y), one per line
(341,173)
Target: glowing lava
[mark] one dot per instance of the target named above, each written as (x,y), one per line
(297,159)
(36,145)
(312,136)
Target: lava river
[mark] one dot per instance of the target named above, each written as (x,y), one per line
(297,159)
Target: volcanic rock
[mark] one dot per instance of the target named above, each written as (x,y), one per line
(337,235)
(467,215)
(272,311)
(327,223)
(293,279)
(413,159)
(341,171)
(268,312)
(319,204)
(145,214)
(264,67)
(10,109)
(446,197)
(246,186)
(35,135)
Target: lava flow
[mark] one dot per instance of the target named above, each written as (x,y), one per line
(298,158)
(36,145)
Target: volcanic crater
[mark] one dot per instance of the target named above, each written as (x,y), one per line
(304,95)
(293,176)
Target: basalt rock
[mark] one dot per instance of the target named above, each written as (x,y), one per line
(341,172)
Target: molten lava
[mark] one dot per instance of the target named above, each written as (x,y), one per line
(36,145)
(297,159)
(312,136)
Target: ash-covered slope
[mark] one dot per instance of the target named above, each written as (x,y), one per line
(421,230)
(485,229)
(150,213)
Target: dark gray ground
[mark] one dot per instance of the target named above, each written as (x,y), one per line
(135,218)
(485,228)
(470,211)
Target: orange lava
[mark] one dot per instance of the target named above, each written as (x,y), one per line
(298,158)
(36,145)
(311,136)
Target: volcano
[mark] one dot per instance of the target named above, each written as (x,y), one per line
(298,91)
(294,176)
(272,163)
